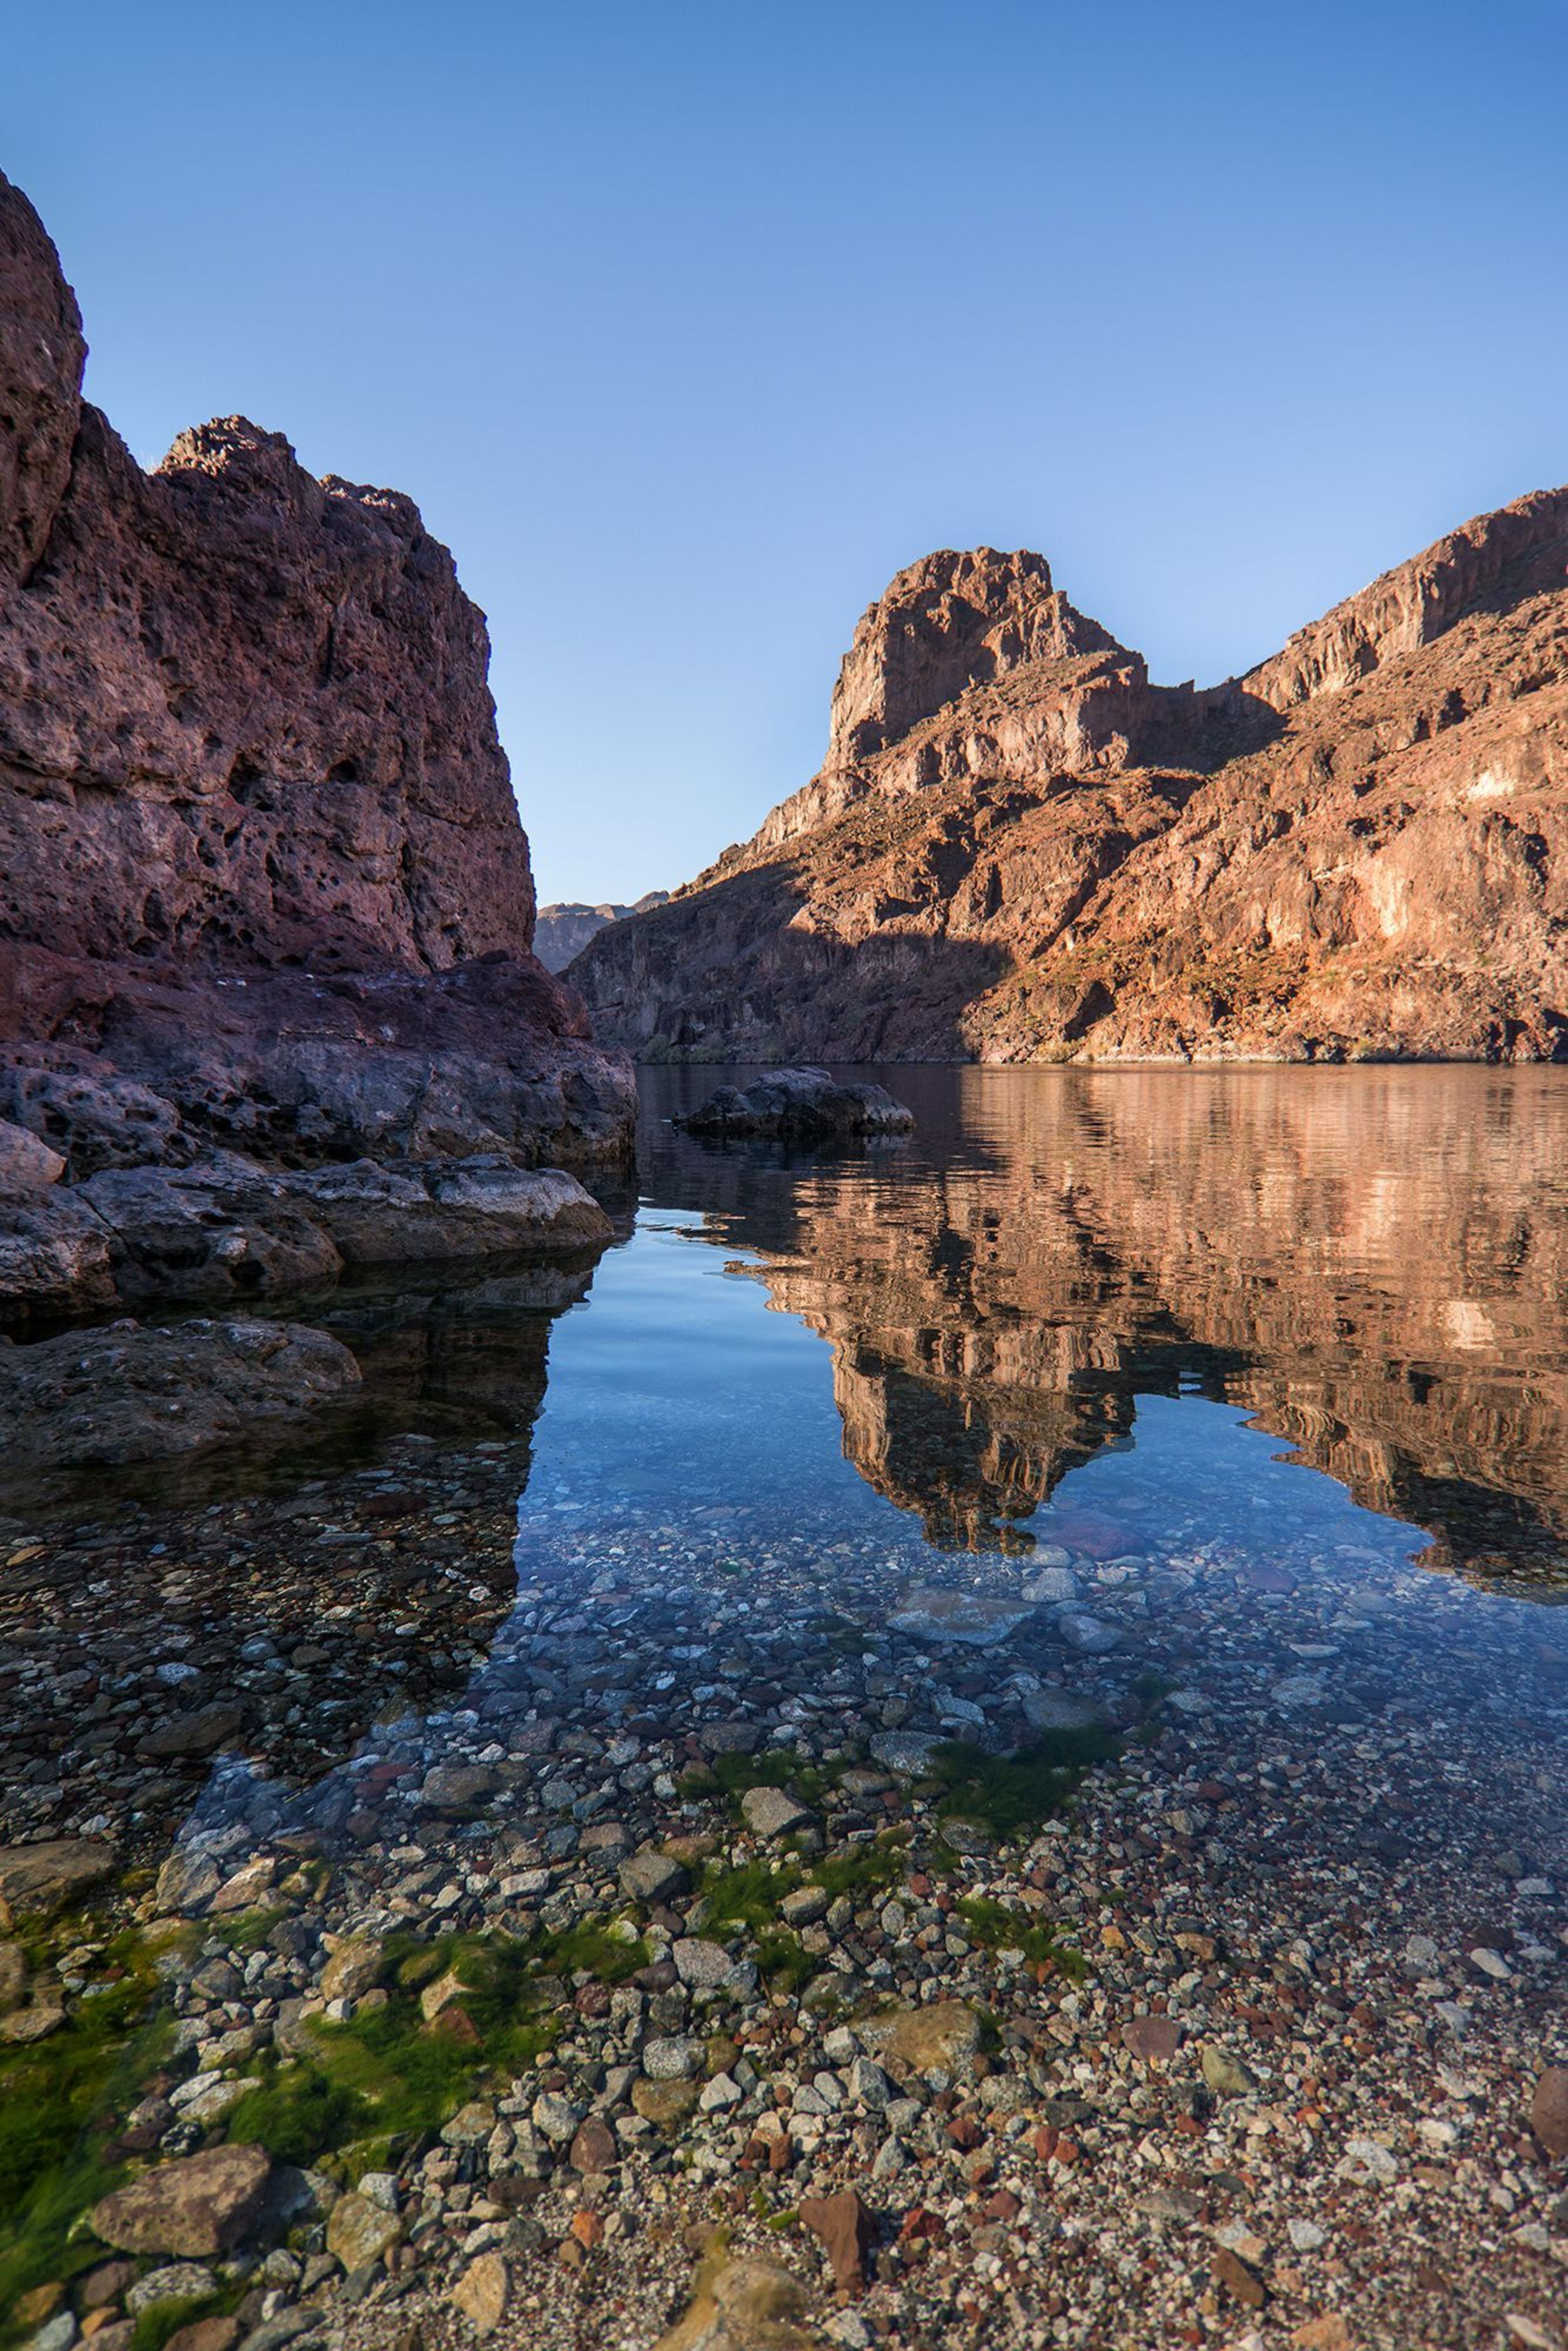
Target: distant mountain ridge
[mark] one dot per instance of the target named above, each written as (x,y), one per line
(1019,849)
(563,930)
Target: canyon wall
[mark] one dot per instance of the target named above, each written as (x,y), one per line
(1018,849)
(263,882)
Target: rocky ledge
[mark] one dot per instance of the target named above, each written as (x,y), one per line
(268,1007)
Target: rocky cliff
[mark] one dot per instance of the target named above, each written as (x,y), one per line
(561,931)
(1018,849)
(263,885)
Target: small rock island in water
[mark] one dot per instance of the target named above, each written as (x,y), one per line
(800,1106)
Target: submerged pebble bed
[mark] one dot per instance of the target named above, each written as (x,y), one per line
(1321,1855)
(501,1886)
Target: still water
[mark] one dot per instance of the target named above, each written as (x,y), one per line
(1236,1399)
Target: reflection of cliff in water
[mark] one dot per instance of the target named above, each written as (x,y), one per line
(1373,1261)
(367,1568)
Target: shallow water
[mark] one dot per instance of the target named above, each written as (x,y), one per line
(1239,1398)
(1267,1326)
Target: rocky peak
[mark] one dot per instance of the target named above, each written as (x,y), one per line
(241,462)
(244,713)
(944,624)
(42,354)
(1359,850)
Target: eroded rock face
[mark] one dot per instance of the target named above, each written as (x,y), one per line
(262,881)
(242,711)
(1018,849)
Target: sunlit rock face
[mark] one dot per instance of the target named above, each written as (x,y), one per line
(262,878)
(1018,849)
(1373,1263)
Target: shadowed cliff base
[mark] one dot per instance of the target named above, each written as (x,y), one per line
(1356,852)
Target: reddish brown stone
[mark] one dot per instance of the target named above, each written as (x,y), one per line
(1153,2039)
(842,2224)
(206,2335)
(594,2146)
(1232,2273)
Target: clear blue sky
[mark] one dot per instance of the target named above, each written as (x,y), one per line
(687,325)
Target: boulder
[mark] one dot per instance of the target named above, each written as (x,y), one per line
(121,1394)
(1549,2111)
(772,1812)
(360,2233)
(36,1880)
(200,1732)
(483,2291)
(747,2305)
(378,1216)
(941,2039)
(803,1105)
(970,1620)
(26,1164)
(194,2208)
(842,2225)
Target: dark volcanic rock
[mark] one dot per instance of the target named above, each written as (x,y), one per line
(103,1398)
(1018,848)
(800,1106)
(262,880)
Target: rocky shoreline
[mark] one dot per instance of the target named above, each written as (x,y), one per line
(680,1919)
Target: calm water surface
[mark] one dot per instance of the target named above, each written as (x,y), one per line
(1227,1335)
(1234,1405)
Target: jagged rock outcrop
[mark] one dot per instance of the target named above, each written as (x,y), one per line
(263,885)
(1018,849)
(564,929)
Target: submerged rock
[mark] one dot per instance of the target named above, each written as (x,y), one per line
(743,2306)
(195,2207)
(803,1105)
(933,1614)
(38,1879)
(110,1398)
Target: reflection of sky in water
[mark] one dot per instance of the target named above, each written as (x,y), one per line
(698,1427)
(676,1393)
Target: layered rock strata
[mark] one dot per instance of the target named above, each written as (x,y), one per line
(1018,849)
(265,901)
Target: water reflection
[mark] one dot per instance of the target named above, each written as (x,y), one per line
(1373,1261)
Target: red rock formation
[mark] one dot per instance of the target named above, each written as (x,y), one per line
(1018,849)
(262,879)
